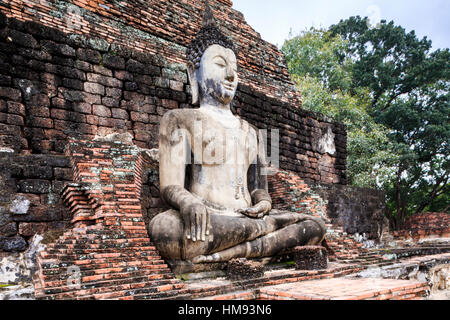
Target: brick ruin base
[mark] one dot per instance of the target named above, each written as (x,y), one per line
(244,269)
(310,258)
(107,254)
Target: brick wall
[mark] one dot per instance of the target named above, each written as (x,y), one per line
(31,200)
(356,210)
(163,27)
(29,197)
(120,72)
(423,225)
(54,86)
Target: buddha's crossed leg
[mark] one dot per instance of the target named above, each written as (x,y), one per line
(235,237)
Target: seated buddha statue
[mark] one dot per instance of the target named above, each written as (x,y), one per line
(213,171)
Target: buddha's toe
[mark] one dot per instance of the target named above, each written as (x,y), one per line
(199,259)
(207,259)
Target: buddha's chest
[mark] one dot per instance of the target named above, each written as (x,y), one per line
(225,146)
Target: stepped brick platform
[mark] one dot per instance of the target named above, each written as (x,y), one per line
(343,281)
(198,289)
(347,289)
(107,254)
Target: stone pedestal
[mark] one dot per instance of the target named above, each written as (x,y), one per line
(241,269)
(310,258)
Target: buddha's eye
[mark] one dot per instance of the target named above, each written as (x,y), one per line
(220,62)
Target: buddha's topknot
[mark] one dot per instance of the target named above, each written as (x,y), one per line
(208,35)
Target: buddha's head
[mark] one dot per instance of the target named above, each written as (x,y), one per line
(212,64)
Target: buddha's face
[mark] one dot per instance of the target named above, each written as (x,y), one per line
(217,76)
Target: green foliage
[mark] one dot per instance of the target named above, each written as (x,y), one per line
(325,91)
(316,54)
(392,92)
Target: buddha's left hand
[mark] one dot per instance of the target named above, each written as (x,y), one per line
(257,211)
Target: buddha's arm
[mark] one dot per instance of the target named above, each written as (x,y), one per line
(174,150)
(257,185)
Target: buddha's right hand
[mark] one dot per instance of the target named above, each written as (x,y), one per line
(196,220)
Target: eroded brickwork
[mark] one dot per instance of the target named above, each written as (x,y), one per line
(107,253)
(430,224)
(55,85)
(30,203)
(356,210)
(162,27)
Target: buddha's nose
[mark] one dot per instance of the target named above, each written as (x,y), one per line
(229,74)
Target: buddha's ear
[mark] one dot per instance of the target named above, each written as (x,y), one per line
(192,74)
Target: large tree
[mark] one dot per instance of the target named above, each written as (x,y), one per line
(409,87)
(402,86)
(324,79)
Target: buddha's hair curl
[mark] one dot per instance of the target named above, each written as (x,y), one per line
(208,35)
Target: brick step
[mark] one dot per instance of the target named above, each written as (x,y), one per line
(136,234)
(119,292)
(109,276)
(101,264)
(60,274)
(157,275)
(100,245)
(178,294)
(367,259)
(80,259)
(55,287)
(61,257)
(234,295)
(100,281)
(78,240)
(167,295)
(124,250)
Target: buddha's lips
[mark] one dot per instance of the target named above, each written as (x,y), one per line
(228,86)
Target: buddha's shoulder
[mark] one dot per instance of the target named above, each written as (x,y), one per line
(183,115)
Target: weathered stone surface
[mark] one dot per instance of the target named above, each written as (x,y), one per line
(20,267)
(356,210)
(113,61)
(10,93)
(29,229)
(42,213)
(38,172)
(4,216)
(88,55)
(20,205)
(22,39)
(13,244)
(8,230)
(35,186)
(94,88)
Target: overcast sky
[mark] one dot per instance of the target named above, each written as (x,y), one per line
(273,19)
